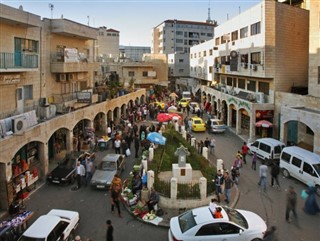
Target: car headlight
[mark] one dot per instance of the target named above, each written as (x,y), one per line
(108,183)
(93,181)
(63,179)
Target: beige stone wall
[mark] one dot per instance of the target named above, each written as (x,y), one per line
(287,31)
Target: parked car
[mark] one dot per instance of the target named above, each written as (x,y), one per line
(200,224)
(194,107)
(110,165)
(198,124)
(56,225)
(65,172)
(301,164)
(267,149)
(217,126)
(183,102)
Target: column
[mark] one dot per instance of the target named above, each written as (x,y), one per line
(150,180)
(205,153)
(229,120)
(173,188)
(69,141)
(252,127)
(238,123)
(203,188)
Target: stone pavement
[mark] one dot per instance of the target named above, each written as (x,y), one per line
(169,213)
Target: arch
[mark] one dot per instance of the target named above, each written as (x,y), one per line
(116,114)
(223,111)
(130,104)
(57,142)
(123,111)
(99,122)
(298,132)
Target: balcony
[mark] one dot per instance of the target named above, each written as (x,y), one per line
(18,62)
(60,65)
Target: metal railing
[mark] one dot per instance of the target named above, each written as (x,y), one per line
(18,60)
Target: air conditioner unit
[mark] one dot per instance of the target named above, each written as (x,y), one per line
(19,124)
(223,90)
(47,112)
(260,97)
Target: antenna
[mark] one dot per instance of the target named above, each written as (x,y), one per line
(51,6)
(88,20)
(209,18)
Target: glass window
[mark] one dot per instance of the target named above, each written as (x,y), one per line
(263,87)
(179,33)
(145,73)
(265,148)
(242,83)
(244,32)
(210,52)
(228,228)
(296,161)
(229,81)
(308,169)
(131,73)
(210,69)
(285,157)
(251,85)
(179,40)
(244,58)
(209,34)
(28,92)
(256,58)
(255,28)
(234,35)
(217,41)
(209,229)
(186,221)
(180,60)
(204,53)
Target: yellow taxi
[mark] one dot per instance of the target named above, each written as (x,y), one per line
(183,103)
(158,104)
(198,124)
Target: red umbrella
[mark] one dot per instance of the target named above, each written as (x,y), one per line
(264,123)
(164,117)
(175,116)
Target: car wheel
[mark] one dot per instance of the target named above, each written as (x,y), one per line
(285,173)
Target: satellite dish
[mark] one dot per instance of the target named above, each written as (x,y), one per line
(234,54)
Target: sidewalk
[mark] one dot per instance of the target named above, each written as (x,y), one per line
(169,213)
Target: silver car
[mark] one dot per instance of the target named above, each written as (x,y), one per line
(217,126)
(110,165)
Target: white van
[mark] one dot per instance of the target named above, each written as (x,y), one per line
(267,149)
(186,95)
(300,164)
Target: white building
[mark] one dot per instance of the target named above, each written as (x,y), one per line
(134,53)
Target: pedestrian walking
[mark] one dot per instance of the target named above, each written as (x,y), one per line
(115,200)
(136,145)
(263,170)
(117,145)
(245,150)
(109,231)
(311,205)
(275,170)
(219,181)
(212,145)
(235,174)
(89,170)
(254,161)
(207,142)
(291,204)
(81,172)
(228,184)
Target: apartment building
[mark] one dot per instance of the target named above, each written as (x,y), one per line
(251,57)
(299,111)
(173,36)
(108,43)
(134,53)
(47,72)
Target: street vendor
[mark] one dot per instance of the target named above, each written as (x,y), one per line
(154,199)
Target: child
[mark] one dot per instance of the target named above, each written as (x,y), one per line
(254,161)
(218,213)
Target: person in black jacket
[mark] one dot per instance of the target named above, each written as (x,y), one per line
(136,145)
(275,170)
(109,231)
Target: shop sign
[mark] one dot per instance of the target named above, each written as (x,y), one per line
(84,97)
(263,114)
(9,79)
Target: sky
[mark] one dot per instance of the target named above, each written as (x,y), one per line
(135,19)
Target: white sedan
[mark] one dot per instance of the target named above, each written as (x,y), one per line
(199,224)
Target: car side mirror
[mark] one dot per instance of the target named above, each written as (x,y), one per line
(240,231)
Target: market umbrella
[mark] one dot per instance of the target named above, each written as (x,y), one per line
(163,117)
(156,138)
(172,108)
(264,123)
(175,116)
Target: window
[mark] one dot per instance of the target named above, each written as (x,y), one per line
(101,33)
(285,157)
(195,55)
(307,168)
(199,54)
(179,40)
(210,52)
(191,56)
(265,148)
(179,33)
(181,70)
(204,53)
(209,229)
(179,49)
(180,60)
(244,58)
(264,87)
(255,58)
(209,34)
(217,41)
(28,92)
(145,73)
(26,45)
(229,81)
(131,73)
(210,69)
(255,28)
(242,84)
(296,161)
(244,32)
(234,35)
(251,85)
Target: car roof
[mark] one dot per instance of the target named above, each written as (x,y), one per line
(66,214)
(215,120)
(42,226)
(204,215)
(270,141)
(111,157)
(196,118)
(312,157)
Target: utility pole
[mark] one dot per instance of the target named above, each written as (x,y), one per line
(51,6)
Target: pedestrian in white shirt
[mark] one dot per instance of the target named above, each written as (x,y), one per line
(81,172)
(263,170)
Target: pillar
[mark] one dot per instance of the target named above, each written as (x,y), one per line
(205,153)
(229,120)
(43,155)
(238,123)
(183,128)
(193,142)
(145,164)
(252,127)
(151,153)
(203,187)
(150,180)
(173,188)
(69,141)
(184,134)
(220,165)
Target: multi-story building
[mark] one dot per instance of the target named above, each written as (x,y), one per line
(47,74)
(134,53)
(108,43)
(173,36)
(253,55)
(299,111)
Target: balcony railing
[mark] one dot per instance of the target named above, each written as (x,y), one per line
(18,61)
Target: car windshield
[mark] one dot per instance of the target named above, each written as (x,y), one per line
(186,221)
(317,168)
(23,238)
(236,217)
(197,121)
(108,166)
(278,149)
(183,101)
